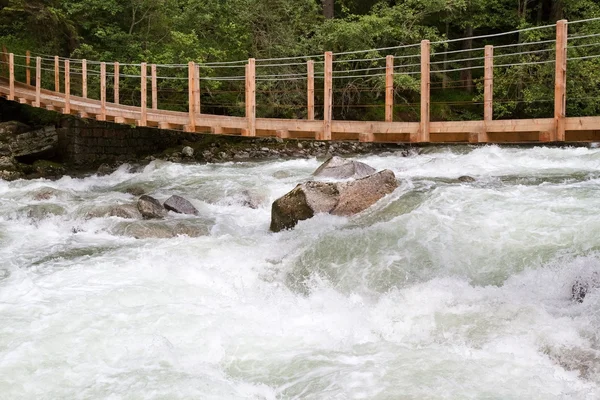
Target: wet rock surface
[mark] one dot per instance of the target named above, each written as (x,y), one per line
(340,168)
(180,205)
(343,199)
(150,208)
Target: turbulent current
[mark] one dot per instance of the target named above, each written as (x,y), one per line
(442,290)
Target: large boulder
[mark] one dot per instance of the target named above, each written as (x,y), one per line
(180,205)
(340,168)
(126,211)
(343,198)
(150,208)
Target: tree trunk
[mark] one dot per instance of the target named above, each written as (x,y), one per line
(467,75)
(328,9)
(445,75)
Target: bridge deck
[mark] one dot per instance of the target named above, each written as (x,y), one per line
(578,129)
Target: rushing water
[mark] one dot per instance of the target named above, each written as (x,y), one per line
(442,290)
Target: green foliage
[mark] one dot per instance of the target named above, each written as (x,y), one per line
(178,31)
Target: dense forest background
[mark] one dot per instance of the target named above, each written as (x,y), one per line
(209,31)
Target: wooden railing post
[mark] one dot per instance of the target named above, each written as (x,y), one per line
(191,107)
(144,95)
(328,97)
(389,88)
(102,92)
(11,76)
(57,74)
(28,70)
(116,83)
(560,83)
(251,97)
(310,89)
(488,92)
(38,81)
(197,89)
(425,91)
(154,86)
(67,109)
(84,80)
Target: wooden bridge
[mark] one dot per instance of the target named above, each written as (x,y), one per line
(560,128)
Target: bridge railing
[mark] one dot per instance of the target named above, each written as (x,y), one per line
(382,70)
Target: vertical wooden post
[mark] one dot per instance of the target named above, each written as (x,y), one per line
(328,97)
(57,74)
(154,87)
(11,76)
(116,84)
(310,89)
(144,95)
(251,97)
(389,88)
(102,92)
(67,109)
(28,70)
(197,89)
(84,81)
(488,92)
(191,107)
(425,91)
(560,82)
(38,81)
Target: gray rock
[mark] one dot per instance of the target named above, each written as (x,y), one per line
(150,208)
(104,169)
(160,229)
(135,190)
(339,168)
(583,285)
(466,178)
(34,143)
(187,151)
(8,163)
(12,128)
(39,212)
(10,175)
(46,193)
(126,211)
(281,174)
(180,205)
(344,199)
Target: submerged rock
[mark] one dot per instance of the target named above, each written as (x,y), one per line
(180,205)
(160,229)
(339,168)
(343,199)
(150,208)
(126,211)
(187,151)
(466,178)
(582,286)
(135,190)
(38,212)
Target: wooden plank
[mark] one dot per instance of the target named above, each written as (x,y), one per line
(154,87)
(116,83)
(11,76)
(191,108)
(389,88)
(144,95)
(425,91)
(197,108)
(28,70)
(310,89)
(102,116)
(84,79)
(250,98)
(38,81)
(488,91)
(328,98)
(57,74)
(560,83)
(67,109)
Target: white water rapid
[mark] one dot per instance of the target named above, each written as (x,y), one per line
(442,290)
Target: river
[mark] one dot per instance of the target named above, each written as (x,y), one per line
(442,290)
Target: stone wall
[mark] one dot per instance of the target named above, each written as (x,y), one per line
(91,142)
